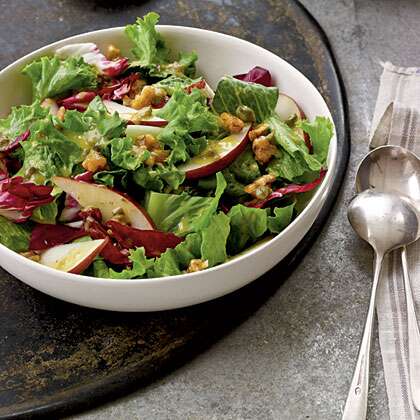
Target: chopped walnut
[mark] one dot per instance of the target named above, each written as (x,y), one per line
(263,149)
(94,161)
(197,265)
(261,187)
(112,52)
(148,96)
(32,255)
(61,113)
(231,123)
(258,131)
(151,144)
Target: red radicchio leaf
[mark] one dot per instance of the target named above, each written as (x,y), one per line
(288,189)
(85,176)
(154,242)
(47,236)
(4,172)
(79,102)
(18,199)
(16,142)
(256,75)
(111,253)
(118,88)
(114,68)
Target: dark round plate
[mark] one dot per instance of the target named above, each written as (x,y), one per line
(57,358)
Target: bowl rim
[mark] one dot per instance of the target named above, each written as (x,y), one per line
(236,259)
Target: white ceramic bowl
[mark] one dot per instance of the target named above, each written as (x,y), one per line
(219,55)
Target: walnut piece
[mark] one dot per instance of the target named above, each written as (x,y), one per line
(264,149)
(259,130)
(147,96)
(231,123)
(94,161)
(112,52)
(197,265)
(261,187)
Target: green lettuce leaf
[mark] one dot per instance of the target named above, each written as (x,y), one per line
(287,166)
(48,153)
(46,214)
(149,46)
(234,188)
(184,65)
(320,132)
(231,93)
(20,120)
(173,83)
(14,236)
(140,266)
(245,167)
(183,214)
(112,178)
(125,155)
(52,77)
(281,219)
(214,239)
(100,269)
(159,178)
(247,224)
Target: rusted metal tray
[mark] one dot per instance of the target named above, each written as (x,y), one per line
(58,358)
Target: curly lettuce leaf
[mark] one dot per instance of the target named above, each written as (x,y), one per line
(187,114)
(20,120)
(125,155)
(52,77)
(14,236)
(173,83)
(246,226)
(140,266)
(281,219)
(48,153)
(231,93)
(159,178)
(149,46)
(46,214)
(99,269)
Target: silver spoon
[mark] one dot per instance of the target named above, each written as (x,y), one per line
(386,222)
(393,169)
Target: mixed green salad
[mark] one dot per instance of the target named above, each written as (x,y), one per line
(131,166)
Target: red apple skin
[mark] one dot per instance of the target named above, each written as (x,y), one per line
(152,123)
(220,164)
(84,264)
(57,180)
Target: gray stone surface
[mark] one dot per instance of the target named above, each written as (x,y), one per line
(293,359)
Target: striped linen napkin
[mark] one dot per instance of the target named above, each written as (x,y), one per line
(397,121)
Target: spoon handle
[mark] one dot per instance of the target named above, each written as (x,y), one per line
(356,403)
(413,335)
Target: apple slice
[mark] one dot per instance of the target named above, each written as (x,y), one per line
(73,258)
(129,114)
(140,130)
(108,201)
(216,156)
(287,108)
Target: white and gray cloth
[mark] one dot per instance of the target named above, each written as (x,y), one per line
(397,121)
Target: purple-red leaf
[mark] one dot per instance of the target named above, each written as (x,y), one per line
(79,102)
(154,242)
(15,143)
(18,198)
(46,236)
(117,89)
(256,75)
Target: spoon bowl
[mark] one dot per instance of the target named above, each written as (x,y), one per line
(385,221)
(391,169)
